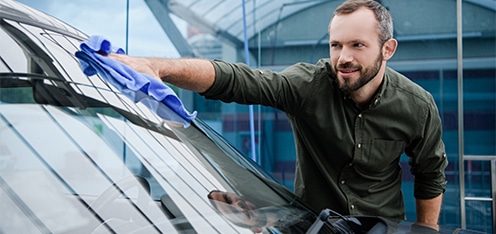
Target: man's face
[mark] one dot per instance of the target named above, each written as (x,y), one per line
(235,208)
(355,52)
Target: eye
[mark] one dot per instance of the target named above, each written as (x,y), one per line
(227,199)
(334,45)
(358,45)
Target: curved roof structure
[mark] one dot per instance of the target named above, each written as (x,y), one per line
(224,18)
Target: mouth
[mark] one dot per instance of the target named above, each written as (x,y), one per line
(346,73)
(348,70)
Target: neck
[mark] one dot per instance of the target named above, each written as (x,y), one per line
(363,95)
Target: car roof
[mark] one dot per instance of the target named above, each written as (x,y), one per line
(16,11)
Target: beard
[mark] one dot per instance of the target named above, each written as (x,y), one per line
(367,74)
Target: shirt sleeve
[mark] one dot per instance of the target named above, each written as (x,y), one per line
(285,90)
(428,157)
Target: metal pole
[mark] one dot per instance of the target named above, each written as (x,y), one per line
(247,58)
(461,151)
(493,188)
(127,26)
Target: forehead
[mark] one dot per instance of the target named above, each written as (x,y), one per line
(218,196)
(359,25)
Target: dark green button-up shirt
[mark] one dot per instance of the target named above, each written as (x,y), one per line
(347,157)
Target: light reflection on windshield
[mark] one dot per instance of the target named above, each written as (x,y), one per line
(87,159)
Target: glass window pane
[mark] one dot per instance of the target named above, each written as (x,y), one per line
(10,52)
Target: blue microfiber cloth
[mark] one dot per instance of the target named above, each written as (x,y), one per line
(138,87)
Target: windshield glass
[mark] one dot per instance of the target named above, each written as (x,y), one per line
(77,156)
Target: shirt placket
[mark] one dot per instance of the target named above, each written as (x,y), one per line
(347,172)
(357,155)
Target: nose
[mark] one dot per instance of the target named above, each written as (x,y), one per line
(345,56)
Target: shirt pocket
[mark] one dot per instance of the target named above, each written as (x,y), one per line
(382,154)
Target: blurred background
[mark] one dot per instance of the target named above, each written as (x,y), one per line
(446,46)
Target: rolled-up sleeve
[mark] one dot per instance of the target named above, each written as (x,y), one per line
(428,158)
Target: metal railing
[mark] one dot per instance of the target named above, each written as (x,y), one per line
(461,146)
(492,199)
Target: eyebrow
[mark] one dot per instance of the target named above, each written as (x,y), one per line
(347,42)
(357,41)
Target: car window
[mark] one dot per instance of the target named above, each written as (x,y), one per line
(76,155)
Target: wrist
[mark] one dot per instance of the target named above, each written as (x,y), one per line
(434,226)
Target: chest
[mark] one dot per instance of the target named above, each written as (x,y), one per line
(370,138)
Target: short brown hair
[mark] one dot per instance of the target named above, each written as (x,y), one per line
(382,15)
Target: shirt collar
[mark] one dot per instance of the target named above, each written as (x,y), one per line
(379,94)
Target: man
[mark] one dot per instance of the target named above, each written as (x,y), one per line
(244,213)
(351,115)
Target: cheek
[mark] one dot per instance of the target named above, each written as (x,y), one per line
(334,57)
(332,52)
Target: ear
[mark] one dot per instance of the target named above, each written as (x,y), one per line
(389,48)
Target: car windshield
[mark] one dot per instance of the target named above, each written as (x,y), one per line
(77,156)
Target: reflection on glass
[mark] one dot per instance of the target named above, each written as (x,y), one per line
(244,213)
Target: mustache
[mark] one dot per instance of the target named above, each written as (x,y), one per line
(332,71)
(348,65)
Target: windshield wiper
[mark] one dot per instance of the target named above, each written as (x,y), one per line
(343,225)
(348,224)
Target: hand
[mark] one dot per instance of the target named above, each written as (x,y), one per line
(197,75)
(139,64)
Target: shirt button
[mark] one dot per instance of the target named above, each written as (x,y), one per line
(360,115)
(342,182)
(359,145)
(352,207)
(444,155)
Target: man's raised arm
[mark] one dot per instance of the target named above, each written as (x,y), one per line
(196,75)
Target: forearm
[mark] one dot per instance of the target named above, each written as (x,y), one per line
(193,74)
(428,211)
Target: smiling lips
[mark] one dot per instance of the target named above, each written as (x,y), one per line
(346,70)
(347,73)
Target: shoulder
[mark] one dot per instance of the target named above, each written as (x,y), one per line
(402,87)
(308,68)
(304,74)
(408,99)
